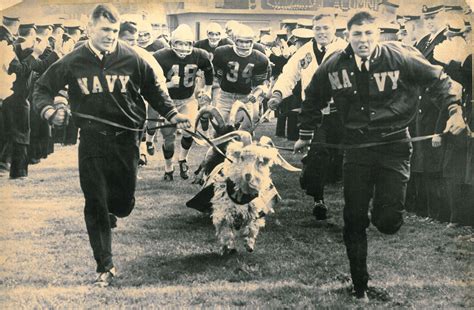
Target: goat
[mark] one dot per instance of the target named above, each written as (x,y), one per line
(239,192)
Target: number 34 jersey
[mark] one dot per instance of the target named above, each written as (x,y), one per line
(186,68)
(240,74)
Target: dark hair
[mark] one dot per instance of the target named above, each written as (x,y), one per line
(26,32)
(321,16)
(361,18)
(107,11)
(128,27)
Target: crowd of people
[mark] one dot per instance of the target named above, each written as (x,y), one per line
(336,79)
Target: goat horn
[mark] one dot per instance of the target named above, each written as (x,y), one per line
(215,114)
(286,165)
(266,141)
(236,108)
(243,136)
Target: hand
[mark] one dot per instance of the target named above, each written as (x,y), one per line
(58,118)
(174,82)
(204,98)
(300,145)
(251,98)
(181,121)
(40,46)
(67,47)
(436,141)
(274,101)
(455,124)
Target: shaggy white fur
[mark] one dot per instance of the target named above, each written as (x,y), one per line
(249,173)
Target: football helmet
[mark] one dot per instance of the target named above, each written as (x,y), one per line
(230,27)
(214,33)
(244,38)
(144,34)
(182,41)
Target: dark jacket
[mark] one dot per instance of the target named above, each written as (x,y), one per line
(110,89)
(398,74)
(459,160)
(425,157)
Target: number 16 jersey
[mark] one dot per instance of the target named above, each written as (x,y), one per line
(237,74)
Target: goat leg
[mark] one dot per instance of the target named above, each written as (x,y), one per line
(226,238)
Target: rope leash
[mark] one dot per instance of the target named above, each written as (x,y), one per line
(368,144)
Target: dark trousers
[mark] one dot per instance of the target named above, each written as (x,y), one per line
(460,199)
(19,161)
(107,172)
(436,196)
(324,160)
(378,173)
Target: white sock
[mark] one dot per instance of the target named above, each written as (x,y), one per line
(183,154)
(168,165)
(149,138)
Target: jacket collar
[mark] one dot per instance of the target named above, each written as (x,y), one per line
(374,56)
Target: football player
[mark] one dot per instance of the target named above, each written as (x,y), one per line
(180,64)
(242,72)
(214,39)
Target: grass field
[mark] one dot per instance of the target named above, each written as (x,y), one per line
(167,255)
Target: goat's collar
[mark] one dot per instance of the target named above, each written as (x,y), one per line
(237,196)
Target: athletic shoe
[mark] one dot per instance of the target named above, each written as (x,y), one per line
(183,169)
(150,148)
(105,278)
(361,296)
(142,161)
(168,176)
(320,210)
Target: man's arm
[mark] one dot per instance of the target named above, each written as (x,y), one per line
(47,86)
(444,92)
(289,77)
(155,92)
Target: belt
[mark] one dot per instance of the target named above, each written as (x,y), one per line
(91,126)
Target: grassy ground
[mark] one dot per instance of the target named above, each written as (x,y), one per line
(166,254)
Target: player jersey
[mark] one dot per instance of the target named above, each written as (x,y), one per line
(186,68)
(240,74)
(204,44)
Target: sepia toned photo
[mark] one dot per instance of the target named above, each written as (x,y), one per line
(275,154)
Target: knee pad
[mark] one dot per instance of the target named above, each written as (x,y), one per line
(186,142)
(204,123)
(387,222)
(168,150)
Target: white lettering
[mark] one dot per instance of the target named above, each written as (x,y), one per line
(82,82)
(111,82)
(96,87)
(380,79)
(346,82)
(334,79)
(393,75)
(124,80)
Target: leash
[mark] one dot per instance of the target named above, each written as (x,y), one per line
(368,144)
(209,142)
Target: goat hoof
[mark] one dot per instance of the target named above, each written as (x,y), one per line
(227,251)
(249,249)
